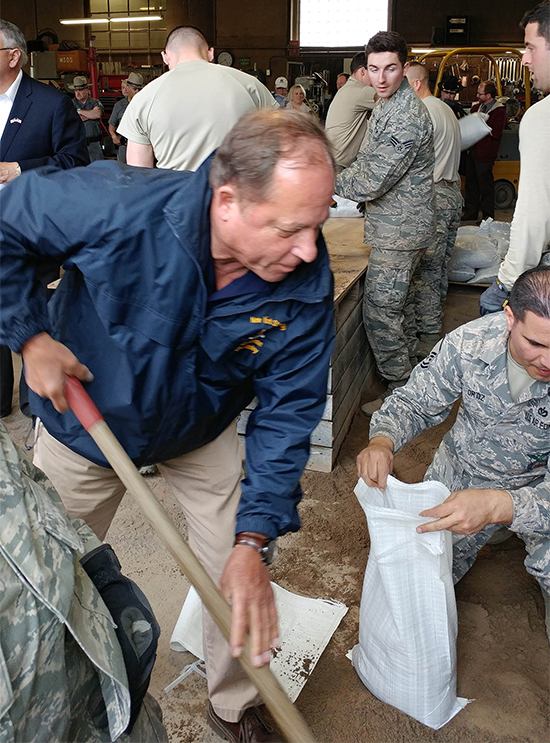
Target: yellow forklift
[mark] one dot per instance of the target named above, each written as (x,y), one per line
(513,88)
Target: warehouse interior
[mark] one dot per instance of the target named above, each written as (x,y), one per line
(503,652)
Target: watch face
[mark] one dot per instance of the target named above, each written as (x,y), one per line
(225,58)
(270,552)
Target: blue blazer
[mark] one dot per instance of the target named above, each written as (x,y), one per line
(43,128)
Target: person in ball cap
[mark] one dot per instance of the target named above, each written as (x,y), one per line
(281,90)
(449,87)
(129,87)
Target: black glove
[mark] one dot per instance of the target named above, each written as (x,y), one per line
(494,298)
(361,207)
(137,629)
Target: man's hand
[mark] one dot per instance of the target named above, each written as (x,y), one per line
(115,138)
(47,366)
(9,172)
(245,584)
(375,463)
(468,511)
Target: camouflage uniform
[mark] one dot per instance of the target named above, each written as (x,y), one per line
(59,656)
(430,282)
(494,443)
(393,174)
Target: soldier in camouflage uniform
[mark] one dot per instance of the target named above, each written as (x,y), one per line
(430,280)
(393,174)
(61,665)
(496,458)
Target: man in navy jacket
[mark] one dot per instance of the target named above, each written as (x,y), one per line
(38,126)
(185,295)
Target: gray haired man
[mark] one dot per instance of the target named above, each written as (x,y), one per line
(206,289)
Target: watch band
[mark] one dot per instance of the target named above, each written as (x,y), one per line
(249,540)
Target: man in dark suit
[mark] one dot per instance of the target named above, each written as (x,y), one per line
(38,126)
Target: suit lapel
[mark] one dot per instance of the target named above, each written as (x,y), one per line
(21,104)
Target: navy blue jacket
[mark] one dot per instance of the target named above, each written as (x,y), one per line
(43,128)
(172,369)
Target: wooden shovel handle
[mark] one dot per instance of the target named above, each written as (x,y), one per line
(284,713)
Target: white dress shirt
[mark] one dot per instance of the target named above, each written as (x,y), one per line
(6,103)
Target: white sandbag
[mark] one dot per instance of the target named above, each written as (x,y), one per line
(485,275)
(500,232)
(473,251)
(406,654)
(467,229)
(306,626)
(462,275)
(345,208)
(472,129)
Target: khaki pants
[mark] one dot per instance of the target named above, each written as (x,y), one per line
(206,483)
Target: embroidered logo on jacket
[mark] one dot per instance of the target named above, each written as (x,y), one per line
(269,321)
(15,121)
(255,342)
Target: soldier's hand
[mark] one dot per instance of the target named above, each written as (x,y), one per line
(47,366)
(375,463)
(245,584)
(468,511)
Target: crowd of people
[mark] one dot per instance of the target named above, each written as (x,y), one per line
(199,281)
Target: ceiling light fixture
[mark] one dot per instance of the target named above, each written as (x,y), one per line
(120,19)
(126,19)
(78,21)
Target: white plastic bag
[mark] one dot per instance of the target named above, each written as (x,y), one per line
(406,654)
(344,208)
(472,129)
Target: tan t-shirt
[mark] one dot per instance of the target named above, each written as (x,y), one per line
(347,120)
(446,139)
(185,114)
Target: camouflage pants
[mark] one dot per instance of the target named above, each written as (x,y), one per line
(430,279)
(466,547)
(388,311)
(537,562)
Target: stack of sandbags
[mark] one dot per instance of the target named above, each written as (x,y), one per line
(478,252)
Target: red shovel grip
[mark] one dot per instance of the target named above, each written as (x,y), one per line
(81,403)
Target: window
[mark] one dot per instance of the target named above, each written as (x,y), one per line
(346,23)
(146,36)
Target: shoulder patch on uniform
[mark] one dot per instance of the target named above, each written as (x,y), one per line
(424,364)
(401,146)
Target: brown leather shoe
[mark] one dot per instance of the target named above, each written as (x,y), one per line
(253,727)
